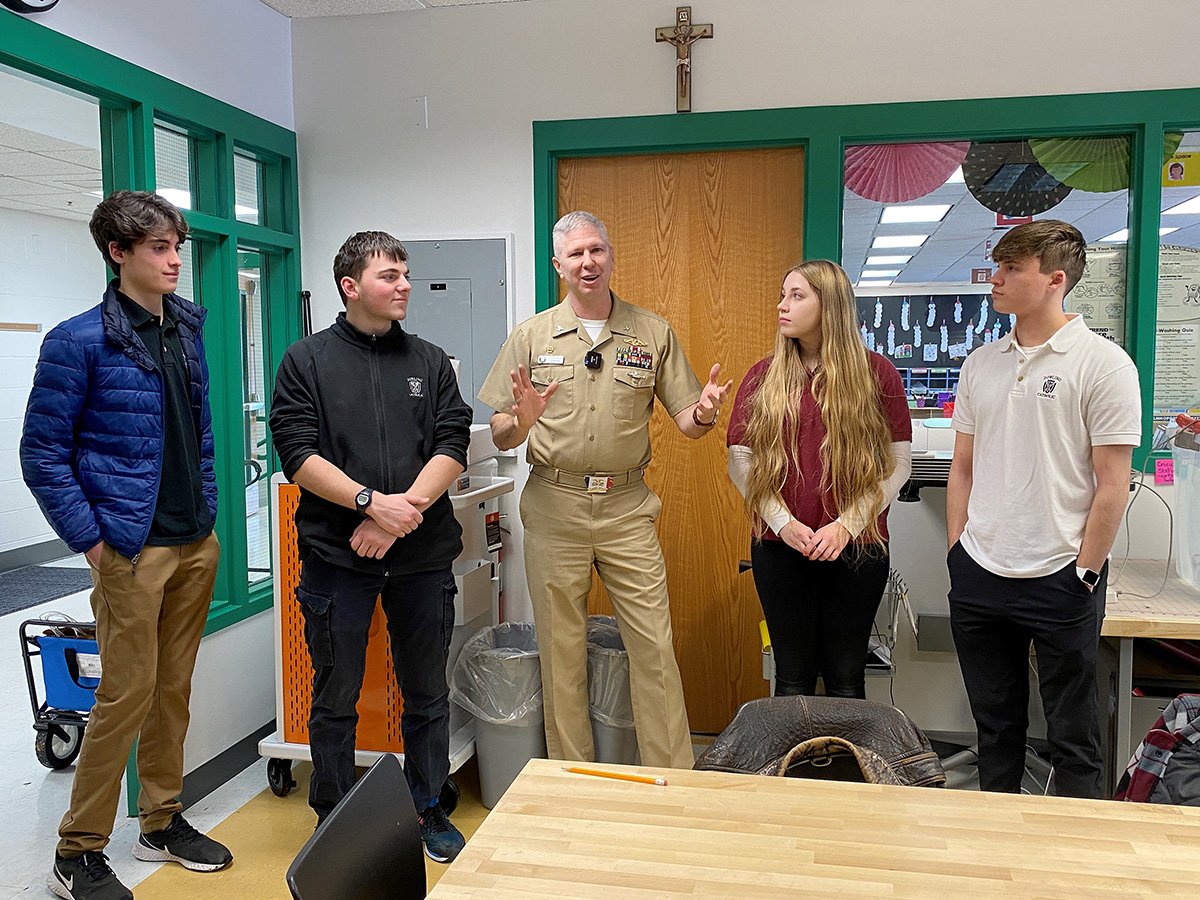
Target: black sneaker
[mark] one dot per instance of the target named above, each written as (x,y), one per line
(86,877)
(442,840)
(180,842)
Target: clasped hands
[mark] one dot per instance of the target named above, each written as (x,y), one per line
(823,545)
(390,516)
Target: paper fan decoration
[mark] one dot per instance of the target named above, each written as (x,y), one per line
(893,173)
(1098,165)
(1007,178)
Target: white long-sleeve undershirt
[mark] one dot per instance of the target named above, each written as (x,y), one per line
(855,519)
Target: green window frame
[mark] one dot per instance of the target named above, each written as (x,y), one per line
(131,99)
(826,131)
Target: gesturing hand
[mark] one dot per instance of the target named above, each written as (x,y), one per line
(712,396)
(827,542)
(796,535)
(528,402)
(370,540)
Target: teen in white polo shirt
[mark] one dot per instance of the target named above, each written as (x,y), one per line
(1046,420)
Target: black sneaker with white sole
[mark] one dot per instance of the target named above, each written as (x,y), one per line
(180,842)
(442,840)
(86,877)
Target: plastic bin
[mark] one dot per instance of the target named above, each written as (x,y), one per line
(498,679)
(1186,462)
(613,734)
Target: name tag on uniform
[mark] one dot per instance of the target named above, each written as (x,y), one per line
(545,360)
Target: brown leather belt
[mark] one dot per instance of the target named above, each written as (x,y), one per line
(599,483)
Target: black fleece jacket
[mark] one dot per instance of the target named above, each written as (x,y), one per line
(379,408)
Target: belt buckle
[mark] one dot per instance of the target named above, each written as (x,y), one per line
(597,484)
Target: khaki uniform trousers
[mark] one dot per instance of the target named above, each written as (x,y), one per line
(567,530)
(148,623)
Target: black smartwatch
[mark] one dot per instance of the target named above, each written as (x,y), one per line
(1088,576)
(362,500)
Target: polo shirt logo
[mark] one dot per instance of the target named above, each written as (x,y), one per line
(1048,386)
(415,387)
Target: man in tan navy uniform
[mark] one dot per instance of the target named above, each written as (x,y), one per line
(579,381)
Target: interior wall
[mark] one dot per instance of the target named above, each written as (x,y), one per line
(238,51)
(488,72)
(49,271)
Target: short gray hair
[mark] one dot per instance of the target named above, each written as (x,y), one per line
(573,220)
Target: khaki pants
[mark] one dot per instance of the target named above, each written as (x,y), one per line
(568,530)
(148,625)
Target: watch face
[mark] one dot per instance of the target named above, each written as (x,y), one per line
(28,6)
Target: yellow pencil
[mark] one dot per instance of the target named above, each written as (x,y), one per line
(620,776)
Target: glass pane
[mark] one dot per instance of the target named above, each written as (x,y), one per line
(173,165)
(1177,348)
(920,224)
(50,270)
(254,400)
(247,188)
(187,273)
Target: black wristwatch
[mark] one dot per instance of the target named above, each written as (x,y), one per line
(1089,577)
(362,500)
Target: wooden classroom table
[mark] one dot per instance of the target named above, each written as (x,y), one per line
(1131,612)
(710,834)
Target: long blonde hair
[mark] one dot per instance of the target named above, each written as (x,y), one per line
(855,454)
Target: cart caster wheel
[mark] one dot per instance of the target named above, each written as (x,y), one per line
(58,745)
(279,776)
(448,798)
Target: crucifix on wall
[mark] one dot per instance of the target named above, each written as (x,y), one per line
(683,34)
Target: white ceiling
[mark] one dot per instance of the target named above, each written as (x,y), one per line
(307,9)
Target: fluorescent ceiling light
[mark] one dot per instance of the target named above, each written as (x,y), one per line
(931,212)
(1187,207)
(249,274)
(899,240)
(870,284)
(881,273)
(887,260)
(1122,236)
(956,177)
(239,210)
(182,199)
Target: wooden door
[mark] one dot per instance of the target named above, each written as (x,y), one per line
(702,239)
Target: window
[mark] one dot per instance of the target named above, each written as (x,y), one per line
(254,409)
(920,223)
(173,165)
(247,184)
(1177,333)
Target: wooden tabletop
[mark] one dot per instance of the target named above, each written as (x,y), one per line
(707,834)
(1146,598)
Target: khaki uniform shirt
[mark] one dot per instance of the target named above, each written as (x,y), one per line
(597,422)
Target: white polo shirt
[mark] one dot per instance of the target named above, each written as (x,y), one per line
(1035,418)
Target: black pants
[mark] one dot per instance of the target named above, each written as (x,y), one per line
(994,620)
(338,605)
(820,615)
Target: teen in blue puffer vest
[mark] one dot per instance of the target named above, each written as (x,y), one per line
(118,450)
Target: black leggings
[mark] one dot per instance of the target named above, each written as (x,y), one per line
(820,615)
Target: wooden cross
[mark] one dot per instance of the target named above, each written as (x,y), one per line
(683,34)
